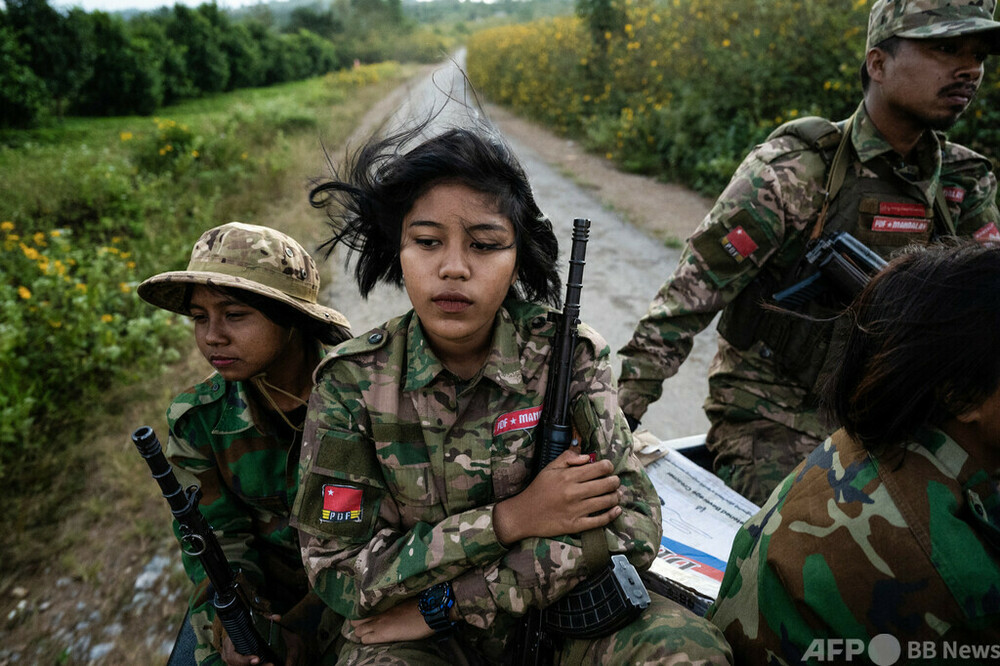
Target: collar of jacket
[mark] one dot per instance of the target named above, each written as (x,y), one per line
(503,365)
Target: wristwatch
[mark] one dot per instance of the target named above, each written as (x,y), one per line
(435,605)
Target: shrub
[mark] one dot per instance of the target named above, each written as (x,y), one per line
(71,325)
(684,88)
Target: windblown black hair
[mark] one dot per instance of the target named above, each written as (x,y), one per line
(382,180)
(923,346)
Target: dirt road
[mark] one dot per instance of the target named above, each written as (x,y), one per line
(626,261)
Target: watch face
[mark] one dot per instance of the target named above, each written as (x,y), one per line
(434,598)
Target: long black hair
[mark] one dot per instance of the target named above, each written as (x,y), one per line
(383,179)
(923,346)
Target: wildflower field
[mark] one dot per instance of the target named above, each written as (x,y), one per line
(92,207)
(683,88)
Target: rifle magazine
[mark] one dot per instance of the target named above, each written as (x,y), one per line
(600,605)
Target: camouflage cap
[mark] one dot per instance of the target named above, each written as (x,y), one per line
(257,259)
(926,19)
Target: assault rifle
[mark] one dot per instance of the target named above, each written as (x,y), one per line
(200,541)
(844,263)
(613,597)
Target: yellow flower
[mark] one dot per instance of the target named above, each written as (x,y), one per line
(125,136)
(106,318)
(81,287)
(24,292)
(29,252)
(55,324)
(243,155)
(7,226)
(39,238)
(55,233)
(194,153)
(124,288)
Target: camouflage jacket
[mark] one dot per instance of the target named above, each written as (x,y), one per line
(402,464)
(248,481)
(852,546)
(760,225)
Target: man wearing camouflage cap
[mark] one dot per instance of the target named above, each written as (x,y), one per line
(251,293)
(892,179)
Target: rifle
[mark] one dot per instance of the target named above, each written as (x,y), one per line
(198,540)
(844,263)
(607,601)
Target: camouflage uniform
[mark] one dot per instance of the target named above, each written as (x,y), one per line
(853,546)
(764,418)
(248,480)
(418,459)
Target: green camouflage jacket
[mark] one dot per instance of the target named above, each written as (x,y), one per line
(762,221)
(403,463)
(852,546)
(248,481)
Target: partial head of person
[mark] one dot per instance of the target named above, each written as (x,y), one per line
(252,293)
(932,49)
(922,350)
(371,201)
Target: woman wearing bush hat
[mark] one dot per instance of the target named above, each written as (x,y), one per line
(251,293)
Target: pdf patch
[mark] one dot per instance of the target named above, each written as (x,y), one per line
(341,504)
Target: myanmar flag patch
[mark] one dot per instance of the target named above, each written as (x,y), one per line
(341,504)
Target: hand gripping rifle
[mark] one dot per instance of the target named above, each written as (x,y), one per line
(200,541)
(614,596)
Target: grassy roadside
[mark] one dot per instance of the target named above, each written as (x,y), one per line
(74,554)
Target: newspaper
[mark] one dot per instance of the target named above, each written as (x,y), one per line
(701,515)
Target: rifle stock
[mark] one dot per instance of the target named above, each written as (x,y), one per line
(845,264)
(200,541)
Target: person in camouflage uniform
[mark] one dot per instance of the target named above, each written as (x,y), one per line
(892,179)
(251,292)
(420,439)
(888,535)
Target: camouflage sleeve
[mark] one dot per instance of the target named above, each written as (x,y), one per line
(970,188)
(229,520)
(537,571)
(747,225)
(360,558)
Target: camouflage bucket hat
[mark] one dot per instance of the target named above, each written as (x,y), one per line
(249,257)
(926,19)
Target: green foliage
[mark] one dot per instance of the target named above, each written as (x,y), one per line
(683,89)
(96,205)
(70,324)
(58,46)
(22,93)
(204,58)
(126,80)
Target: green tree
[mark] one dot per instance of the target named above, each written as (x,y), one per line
(126,76)
(246,62)
(167,56)
(207,65)
(59,50)
(22,93)
(323,22)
